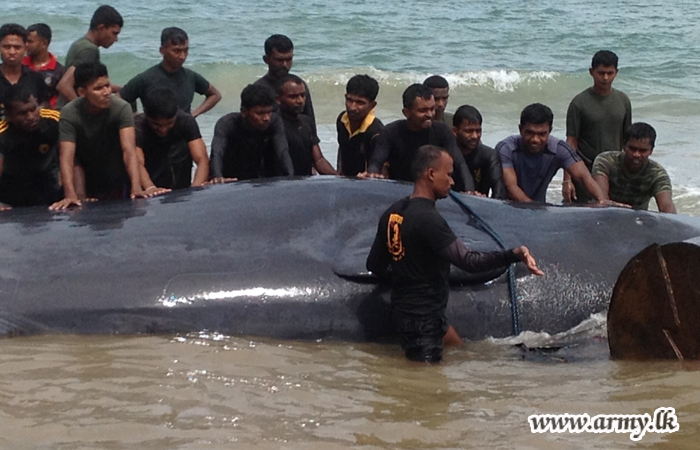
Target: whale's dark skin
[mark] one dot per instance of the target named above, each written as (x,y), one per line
(261,259)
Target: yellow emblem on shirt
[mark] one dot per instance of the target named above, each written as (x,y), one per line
(393,235)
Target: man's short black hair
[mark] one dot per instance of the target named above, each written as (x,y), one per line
(42,30)
(160,103)
(426,157)
(286,79)
(174,36)
(13,29)
(604,58)
(436,82)
(413,92)
(640,130)
(86,73)
(468,113)
(107,16)
(16,93)
(364,86)
(278,42)
(536,114)
(255,95)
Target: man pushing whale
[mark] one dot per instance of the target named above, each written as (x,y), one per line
(415,246)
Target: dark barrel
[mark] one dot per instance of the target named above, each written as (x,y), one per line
(655,307)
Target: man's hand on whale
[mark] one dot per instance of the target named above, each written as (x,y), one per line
(524,254)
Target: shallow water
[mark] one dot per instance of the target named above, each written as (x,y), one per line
(207,391)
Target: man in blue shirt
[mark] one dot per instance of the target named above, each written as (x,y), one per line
(531,159)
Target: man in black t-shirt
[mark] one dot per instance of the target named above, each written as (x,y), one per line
(13,44)
(357,127)
(168,142)
(398,142)
(483,161)
(279,55)
(174,46)
(300,130)
(28,152)
(250,144)
(419,246)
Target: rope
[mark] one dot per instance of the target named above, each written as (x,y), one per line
(514,301)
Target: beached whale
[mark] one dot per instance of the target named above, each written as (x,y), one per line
(286,259)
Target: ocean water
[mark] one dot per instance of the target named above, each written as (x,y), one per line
(211,391)
(498,56)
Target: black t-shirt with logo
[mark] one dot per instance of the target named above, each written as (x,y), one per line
(414,235)
(30,80)
(30,163)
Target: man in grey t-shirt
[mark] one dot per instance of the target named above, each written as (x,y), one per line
(596,120)
(96,130)
(630,177)
(530,160)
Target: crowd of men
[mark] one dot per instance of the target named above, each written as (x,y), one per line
(69,134)
(97,147)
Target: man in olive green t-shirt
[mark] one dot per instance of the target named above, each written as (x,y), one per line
(171,74)
(105,26)
(96,132)
(630,177)
(596,120)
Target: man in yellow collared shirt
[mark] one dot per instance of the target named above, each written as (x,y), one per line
(357,126)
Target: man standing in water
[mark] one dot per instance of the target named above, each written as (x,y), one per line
(105,26)
(170,73)
(596,120)
(417,244)
(279,55)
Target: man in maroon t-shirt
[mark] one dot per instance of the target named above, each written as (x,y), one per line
(39,59)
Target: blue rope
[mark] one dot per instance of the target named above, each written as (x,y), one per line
(514,301)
